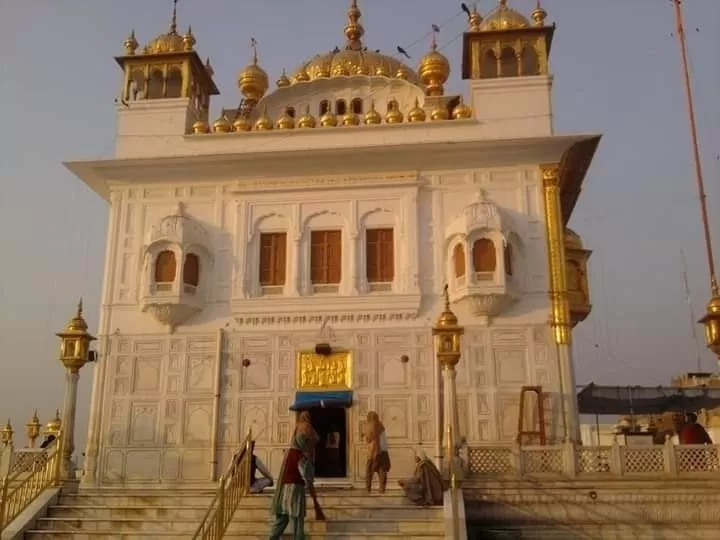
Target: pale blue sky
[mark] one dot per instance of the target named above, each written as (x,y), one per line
(617,71)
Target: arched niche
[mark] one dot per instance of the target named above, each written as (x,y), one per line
(269,241)
(379,236)
(324,248)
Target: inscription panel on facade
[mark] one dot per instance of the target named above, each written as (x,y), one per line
(317,371)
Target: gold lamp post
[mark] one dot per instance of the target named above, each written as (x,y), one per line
(74,354)
(32,429)
(448,345)
(711,319)
(6,434)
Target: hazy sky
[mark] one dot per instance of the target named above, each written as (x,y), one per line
(617,71)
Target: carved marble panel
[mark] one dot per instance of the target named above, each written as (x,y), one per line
(511,367)
(508,411)
(147,374)
(171,465)
(196,465)
(200,373)
(143,426)
(392,373)
(258,375)
(198,422)
(114,466)
(395,414)
(142,465)
(256,415)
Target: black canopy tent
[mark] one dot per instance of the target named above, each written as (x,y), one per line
(619,400)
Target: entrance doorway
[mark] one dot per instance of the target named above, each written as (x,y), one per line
(331,450)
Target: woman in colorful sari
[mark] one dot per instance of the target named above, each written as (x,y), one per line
(425,487)
(378,460)
(296,474)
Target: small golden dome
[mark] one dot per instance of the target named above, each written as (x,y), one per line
(54,425)
(77,324)
(307,120)
(572,240)
(209,68)
(713,306)
(264,123)
(447,317)
(350,119)
(242,123)
(434,70)
(189,40)
(283,81)
(462,111)
(381,70)
(539,15)
(301,76)
(165,43)
(222,125)
(372,116)
(200,127)
(394,116)
(503,18)
(130,44)
(286,121)
(417,113)
(475,20)
(328,119)
(253,81)
(439,113)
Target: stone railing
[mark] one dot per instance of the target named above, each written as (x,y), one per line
(614,460)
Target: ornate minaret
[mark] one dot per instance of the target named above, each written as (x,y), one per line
(505,58)
(168,77)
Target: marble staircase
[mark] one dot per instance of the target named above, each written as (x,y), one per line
(133,515)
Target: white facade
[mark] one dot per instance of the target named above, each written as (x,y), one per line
(173,396)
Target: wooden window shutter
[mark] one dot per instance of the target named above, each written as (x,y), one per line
(372,256)
(459,260)
(191,270)
(165,267)
(318,257)
(334,256)
(273,248)
(279,259)
(484,258)
(387,256)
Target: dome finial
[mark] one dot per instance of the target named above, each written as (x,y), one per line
(434,68)
(539,15)
(253,46)
(173,20)
(354,30)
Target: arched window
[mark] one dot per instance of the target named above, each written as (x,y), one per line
(529,64)
(484,258)
(191,270)
(173,85)
(489,68)
(324,106)
(508,63)
(392,105)
(459,260)
(165,267)
(508,259)
(340,106)
(291,112)
(136,85)
(357,106)
(155,85)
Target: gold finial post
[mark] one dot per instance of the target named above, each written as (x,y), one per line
(253,46)
(711,320)
(446,296)
(173,20)
(6,434)
(33,429)
(354,30)
(435,32)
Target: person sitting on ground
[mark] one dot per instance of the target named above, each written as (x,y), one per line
(257,485)
(425,487)
(693,433)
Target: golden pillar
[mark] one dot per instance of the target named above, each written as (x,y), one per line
(448,345)
(560,318)
(74,354)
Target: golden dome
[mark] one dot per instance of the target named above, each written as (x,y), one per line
(462,111)
(713,306)
(447,317)
(328,119)
(283,80)
(242,124)
(417,113)
(372,116)
(264,123)
(222,125)
(130,44)
(307,120)
(200,127)
(439,113)
(475,20)
(539,15)
(354,59)
(572,240)
(434,70)
(350,119)
(394,116)
(77,324)
(503,18)
(286,121)
(54,425)
(253,81)
(165,43)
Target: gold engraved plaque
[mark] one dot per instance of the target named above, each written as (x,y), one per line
(317,371)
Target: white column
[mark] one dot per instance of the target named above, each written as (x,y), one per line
(569,395)
(68,422)
(352,247)
(450,416)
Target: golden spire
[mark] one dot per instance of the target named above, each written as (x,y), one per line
(354,30)
(539,15)
(283,80)
(475,20)
(253,81)
(208,67)
(173,20)
(130,44)
(372,116)
(434,68)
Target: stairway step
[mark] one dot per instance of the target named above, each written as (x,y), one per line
(114,535)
